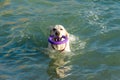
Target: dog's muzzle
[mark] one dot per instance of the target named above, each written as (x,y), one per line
(58,41)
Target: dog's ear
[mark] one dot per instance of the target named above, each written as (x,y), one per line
(67,34)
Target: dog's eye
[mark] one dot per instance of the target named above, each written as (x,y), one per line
(54,29)
(61,29)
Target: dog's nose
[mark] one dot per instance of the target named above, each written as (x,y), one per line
(57,33)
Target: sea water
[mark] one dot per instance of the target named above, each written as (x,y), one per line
(24,30)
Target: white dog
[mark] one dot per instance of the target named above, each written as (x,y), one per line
(59,31)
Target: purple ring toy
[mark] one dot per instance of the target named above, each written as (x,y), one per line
(50,39)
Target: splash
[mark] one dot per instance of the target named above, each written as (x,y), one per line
(76,43)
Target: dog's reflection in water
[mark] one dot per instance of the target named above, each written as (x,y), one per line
(58,65)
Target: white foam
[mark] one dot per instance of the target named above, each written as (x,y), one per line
(76,43)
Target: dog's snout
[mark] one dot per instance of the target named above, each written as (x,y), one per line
(57,33)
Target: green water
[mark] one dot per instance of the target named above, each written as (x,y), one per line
(24,28)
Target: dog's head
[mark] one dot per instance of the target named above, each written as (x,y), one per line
(58,31)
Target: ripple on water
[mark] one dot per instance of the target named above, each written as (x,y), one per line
(23,39)
(4,3)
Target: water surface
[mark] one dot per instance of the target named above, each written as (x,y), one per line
(24,28)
